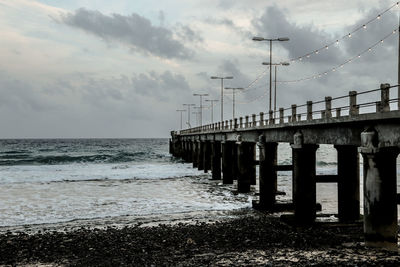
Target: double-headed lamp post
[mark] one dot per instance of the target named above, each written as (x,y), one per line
(275,64)
(212,108)
(201,107)
(233,98)
(222,92)
(181,111)
(188,109)
(281,39)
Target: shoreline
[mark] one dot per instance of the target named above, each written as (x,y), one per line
(257,239)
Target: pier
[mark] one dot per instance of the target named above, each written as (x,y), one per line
(370,129)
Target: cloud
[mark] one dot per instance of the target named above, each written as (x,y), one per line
(134,30)
(274,23)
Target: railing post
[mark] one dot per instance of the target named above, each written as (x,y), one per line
(309,110)
(261,118)
(298,117)
(222,125)
(294,107)
(271,117)
(241,122)
(338,112)
(226,124)
(385,107)
(281,115)
(254,123)
(353,103)
(235,123)
(230,124)
(328,107)
(247,122)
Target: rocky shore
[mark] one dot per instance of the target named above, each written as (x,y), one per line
(248,241)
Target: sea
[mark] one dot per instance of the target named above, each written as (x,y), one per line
(100,182)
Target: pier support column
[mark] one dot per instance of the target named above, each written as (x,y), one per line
(268,177)
(349,183)
(235,168)
(189,151)
(200,156)
(246,165)
(216,160)
(380,191)
(207,156)
(194,153)
(304,185)
(227,160)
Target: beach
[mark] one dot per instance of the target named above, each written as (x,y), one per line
(257,239)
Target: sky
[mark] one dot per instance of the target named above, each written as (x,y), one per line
(122,69)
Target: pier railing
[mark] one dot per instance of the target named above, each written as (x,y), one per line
(317,110)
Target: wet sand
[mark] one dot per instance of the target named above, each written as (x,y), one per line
(245,241)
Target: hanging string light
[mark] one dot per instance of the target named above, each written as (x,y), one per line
(369,49)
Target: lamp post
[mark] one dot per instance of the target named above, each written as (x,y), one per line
(181,111)
(212,108)
(275,64)
(201,107)
(222,92)
(233,98)
(281,39)
(188,109)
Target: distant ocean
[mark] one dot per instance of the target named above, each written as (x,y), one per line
(50,181)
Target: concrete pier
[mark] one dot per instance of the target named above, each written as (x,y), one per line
(216,160)
(348,183)
(246,165)
(227,160)
(351,129)
(200,156)
(195,152)
(267,174)
(207,156)
(380,192)
(304,184)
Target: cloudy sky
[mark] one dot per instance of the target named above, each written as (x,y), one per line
(121,68)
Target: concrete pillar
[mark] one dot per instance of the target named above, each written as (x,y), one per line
(380,192)
(268,176)
(254,121)
(281,115)
(241,122)
(222,125)
(189,149)
(304,185)
(294,107)
(261,118)
(246,165)
(328,107)
(353,103)
(309,110)
(271,117)
(349,183)
(216,160)
(200,156)
(207,156)
(171,147)
(227,160)
(338,112)
(195,151)
(235,123)
(246,124)
(385,107)
(235,170)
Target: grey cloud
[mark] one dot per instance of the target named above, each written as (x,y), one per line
(186,33)
(134,30)
(303,39)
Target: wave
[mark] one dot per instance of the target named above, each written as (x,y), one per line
(120,157)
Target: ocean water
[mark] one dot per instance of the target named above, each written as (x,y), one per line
(58,181)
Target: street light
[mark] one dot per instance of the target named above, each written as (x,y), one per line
(222,92)
(201,107)
(233,99)
(188,109)
(275,64)
(212,108)
(281,39)
(181,111)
